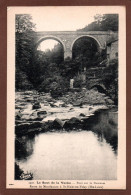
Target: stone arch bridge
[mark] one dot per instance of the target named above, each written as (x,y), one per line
(68,38)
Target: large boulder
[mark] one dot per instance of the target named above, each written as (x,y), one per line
(72,123)
(52,105)
(18,116)
(36,105)
(47,126)
(32,117)
(109,101)
(58,124)
(23,129)
(82,115)
(41,114)
(77,103)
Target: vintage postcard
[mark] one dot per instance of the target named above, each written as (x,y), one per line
(66,97)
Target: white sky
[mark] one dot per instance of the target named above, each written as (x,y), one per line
(47,44)
(64,18)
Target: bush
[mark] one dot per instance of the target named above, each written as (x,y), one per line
(22,81)
(110,80)
(57,85)
(77,82)
(18,172)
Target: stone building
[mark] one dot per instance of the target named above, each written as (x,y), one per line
(112,49)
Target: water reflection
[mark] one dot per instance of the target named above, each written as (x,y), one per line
(24,146)
(89,154)
(70,155)
(105,124)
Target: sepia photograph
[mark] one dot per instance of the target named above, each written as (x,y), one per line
(65,82)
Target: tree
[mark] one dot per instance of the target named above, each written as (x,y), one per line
(24,43)
(110,79)
(18,172)
(85,50)
(24,23)
(110,22)
(103,23)
(55,55)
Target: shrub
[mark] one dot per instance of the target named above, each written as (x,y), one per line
(18,172)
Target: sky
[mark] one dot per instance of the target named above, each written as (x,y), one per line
(60,19)
(47,44)
(63,18)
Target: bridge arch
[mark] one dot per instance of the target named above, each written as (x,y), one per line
(100,87)
(50,37)
(88,36)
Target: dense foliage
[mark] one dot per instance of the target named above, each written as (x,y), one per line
(24,47)
(103,23)
(18,172)
(110,79)
(86,51)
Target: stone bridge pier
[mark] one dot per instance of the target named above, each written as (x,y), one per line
(67,53)
(68,38)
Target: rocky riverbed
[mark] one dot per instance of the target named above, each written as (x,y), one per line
(39,112)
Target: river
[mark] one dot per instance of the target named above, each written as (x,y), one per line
(74,155)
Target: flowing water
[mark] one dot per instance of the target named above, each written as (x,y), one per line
(74,155)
